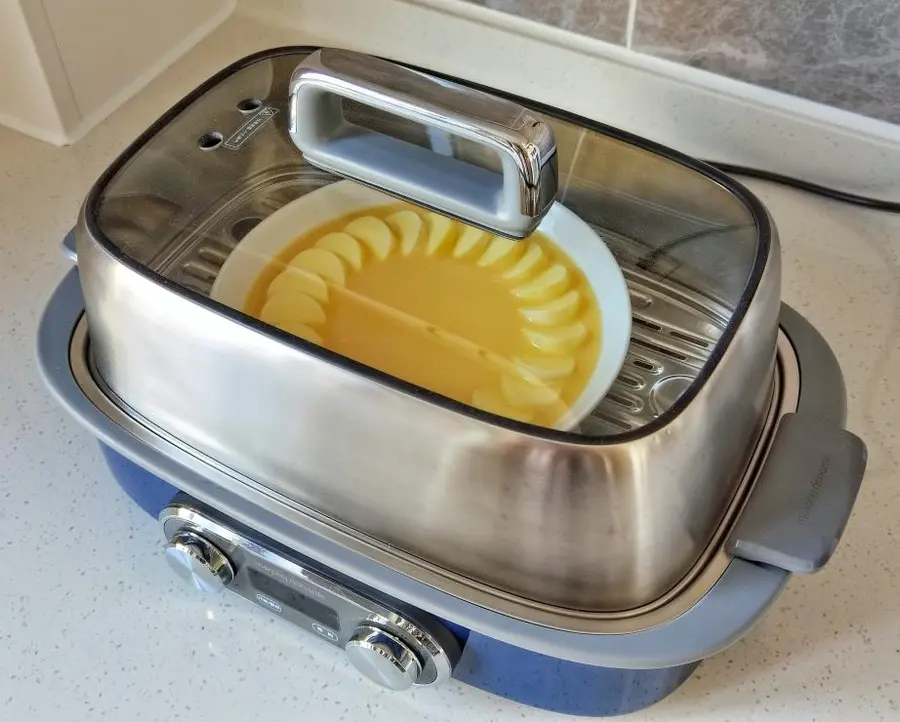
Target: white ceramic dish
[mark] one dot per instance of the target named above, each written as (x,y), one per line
(560,225)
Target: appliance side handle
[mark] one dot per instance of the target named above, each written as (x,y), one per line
(68,246)
(803,497)
(801,502)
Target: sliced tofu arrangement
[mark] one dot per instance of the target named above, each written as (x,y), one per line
(550,303)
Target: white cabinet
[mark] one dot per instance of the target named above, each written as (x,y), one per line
(69,63)
(26,100)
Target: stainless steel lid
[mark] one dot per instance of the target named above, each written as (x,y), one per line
(607,516)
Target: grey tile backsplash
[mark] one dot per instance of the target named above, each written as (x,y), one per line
(845,53)
(603,19)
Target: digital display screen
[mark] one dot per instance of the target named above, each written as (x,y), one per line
(312,608)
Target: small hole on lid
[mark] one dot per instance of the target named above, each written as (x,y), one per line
(210,141)
(248,105)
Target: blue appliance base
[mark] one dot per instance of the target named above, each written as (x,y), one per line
(503,669)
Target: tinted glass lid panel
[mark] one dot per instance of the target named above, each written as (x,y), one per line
(594,323)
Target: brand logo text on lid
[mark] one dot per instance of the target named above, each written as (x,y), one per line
(815,488)
(237,139)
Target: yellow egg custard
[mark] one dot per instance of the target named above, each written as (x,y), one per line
(510,327)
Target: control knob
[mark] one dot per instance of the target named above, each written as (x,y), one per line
(199,562)
(383,657)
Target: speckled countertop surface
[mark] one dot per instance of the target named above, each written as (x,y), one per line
(94,626)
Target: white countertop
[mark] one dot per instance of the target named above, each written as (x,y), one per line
(93,624)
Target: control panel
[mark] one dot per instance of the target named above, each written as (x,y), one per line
(384,644)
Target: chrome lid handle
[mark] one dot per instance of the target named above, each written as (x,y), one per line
(508,191)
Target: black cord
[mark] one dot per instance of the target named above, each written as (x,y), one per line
(647,262)
(876,204)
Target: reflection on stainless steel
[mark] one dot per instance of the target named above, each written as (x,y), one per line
(687,592)
(608,520)
(609,527)
(510,198)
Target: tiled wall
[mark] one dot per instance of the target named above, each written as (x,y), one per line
(842,52)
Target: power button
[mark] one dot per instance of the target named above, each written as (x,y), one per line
(329,634)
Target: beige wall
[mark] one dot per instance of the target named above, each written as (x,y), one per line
(105,44)
(26,102)
(68,63)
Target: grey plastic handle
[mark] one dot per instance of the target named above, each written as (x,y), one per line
(68,246)
(802,499)
(511,201)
